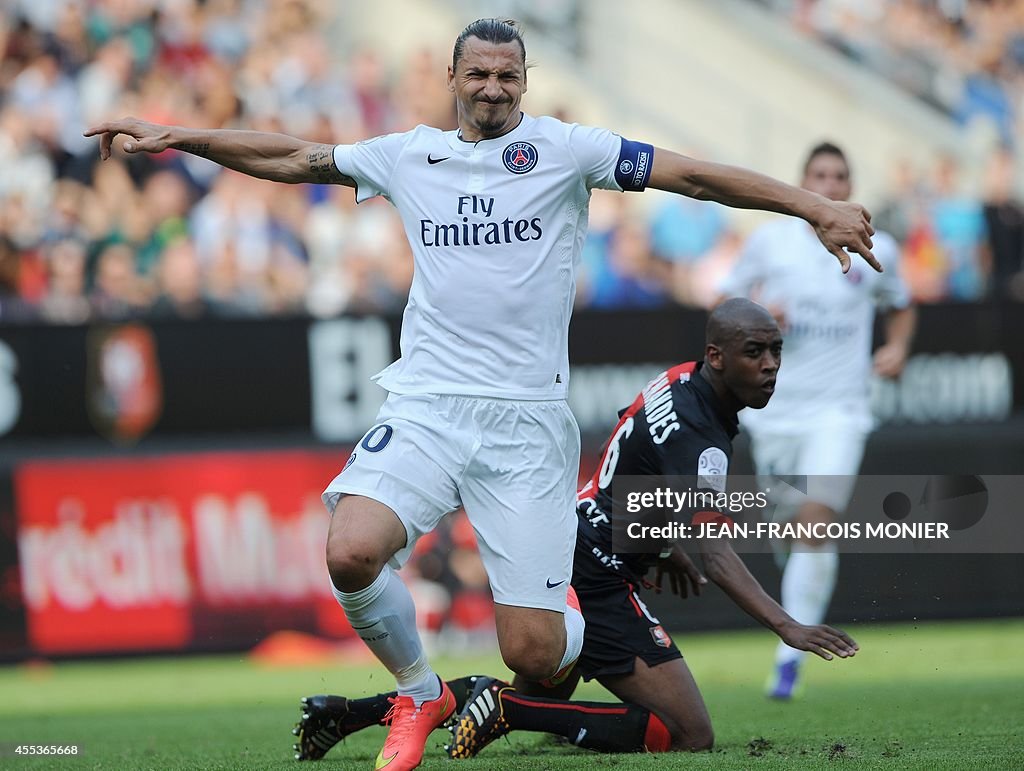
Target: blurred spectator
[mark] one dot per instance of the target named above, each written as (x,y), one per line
(696,285)
(924,263)
(103,79)
(180,283)
(896,212)
(118,292)
(377,260)
(328,228)
(618,269)
(27,179)
(371,91)
(684,233)
(13,306)
(166,200)
(1004,218)
(46,95)
(959,227)
(422,96)
(685,229)
(446,572)
(65,301)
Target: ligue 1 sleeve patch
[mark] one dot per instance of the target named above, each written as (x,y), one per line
(634,166)
(712,466)
(519,157)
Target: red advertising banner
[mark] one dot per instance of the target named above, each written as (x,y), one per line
(204,550)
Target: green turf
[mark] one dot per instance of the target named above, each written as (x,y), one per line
(928,696)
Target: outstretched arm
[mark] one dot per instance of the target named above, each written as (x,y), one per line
(726,569)
(838,224)
(276,157)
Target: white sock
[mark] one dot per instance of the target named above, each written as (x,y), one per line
(807,584)
(574,627)
(383,614)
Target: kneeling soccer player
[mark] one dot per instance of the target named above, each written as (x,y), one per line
(682,424)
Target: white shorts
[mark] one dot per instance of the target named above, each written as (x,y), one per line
(513,465)
(829,453)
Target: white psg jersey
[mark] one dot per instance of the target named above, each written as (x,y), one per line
(829,319)
(496,229)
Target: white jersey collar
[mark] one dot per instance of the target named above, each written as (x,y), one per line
(457,143)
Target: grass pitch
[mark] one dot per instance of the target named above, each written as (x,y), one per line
(928,696)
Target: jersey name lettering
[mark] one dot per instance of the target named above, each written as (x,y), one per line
(661,417)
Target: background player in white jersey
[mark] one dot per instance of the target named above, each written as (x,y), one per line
(819,418)
(496,214)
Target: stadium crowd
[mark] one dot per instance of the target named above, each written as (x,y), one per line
(963,56)
(177,237)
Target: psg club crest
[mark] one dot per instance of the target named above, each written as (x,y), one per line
(519,157)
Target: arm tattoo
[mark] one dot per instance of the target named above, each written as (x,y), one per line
(321,166)
(200,149)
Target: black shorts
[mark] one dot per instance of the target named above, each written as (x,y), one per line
(620,628)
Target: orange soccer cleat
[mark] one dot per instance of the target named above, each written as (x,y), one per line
(410,727)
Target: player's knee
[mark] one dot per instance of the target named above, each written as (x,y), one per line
(532,659)
(532,641)
(530,665)
(698,738)
(688,732)
(352,566)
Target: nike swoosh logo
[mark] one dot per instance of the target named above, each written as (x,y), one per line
(553,585)
(381,762)
(432,161)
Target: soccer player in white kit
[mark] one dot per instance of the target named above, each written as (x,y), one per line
(819,418)
(496,214)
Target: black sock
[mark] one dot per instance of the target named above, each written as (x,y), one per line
(372,709)
(594,725)
(368,711)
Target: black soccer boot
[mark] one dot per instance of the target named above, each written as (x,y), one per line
(481,721)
